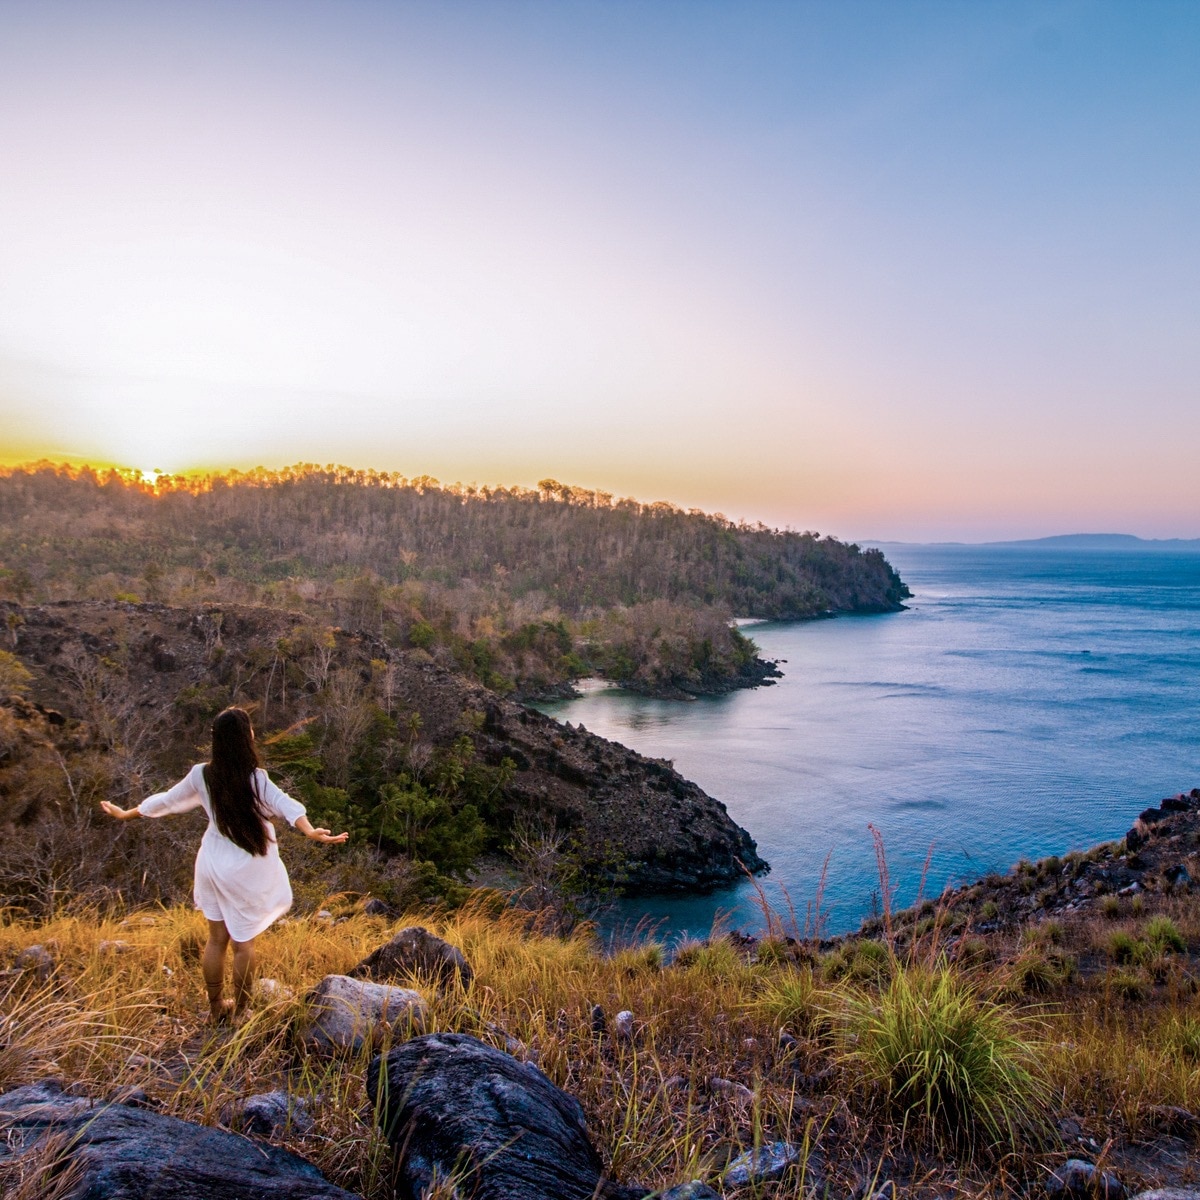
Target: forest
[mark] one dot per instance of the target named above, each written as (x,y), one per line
(522,589)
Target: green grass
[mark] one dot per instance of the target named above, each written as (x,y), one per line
(945,1059)
(1163,935)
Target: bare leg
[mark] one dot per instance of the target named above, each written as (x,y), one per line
(212,964)
(243,974)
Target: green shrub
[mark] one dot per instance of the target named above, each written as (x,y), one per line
(988,910)
(1183,1037)
(1164,936)
(1129,984)
(716,957)
(1110,907)
(793,1002)
(943,1056)
(772,951)
(1123,947)
(973,952)
(640,960)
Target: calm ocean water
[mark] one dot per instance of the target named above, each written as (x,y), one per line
(1028,703)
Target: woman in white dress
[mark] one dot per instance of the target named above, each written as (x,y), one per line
(241,883)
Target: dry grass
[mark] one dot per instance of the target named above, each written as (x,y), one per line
(707,1072)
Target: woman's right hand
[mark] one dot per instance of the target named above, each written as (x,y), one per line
(122,814)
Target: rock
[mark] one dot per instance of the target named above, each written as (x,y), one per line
(36,959)
(115,946)
(623,1026)
(1131,889)
(761,1165)
(377,908)
(1077,1180)
(885,1191)
(415,951)
(323,915)
(1170,1193)
(1178,876)
(735,1091)
(1173,1119)
(452,1105)
(345,1013)
(695,1190)
(123,1152)
(599,1021)
(268,1113)
(272,991)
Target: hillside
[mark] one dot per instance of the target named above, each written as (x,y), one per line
(523,589)
(421,765)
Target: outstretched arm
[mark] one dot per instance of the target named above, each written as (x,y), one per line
(122,814)
(318,835)
(183,797)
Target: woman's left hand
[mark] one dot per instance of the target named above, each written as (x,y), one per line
(122,814)
(318,835)
(323,835)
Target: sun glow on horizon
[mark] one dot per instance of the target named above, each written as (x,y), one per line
(861,269)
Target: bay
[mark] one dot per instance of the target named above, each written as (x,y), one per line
(1029,702)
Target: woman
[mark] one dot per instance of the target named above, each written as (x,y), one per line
(241,883)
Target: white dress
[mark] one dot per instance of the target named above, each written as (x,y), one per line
(246,891)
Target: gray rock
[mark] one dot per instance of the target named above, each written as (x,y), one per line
(1173,1119)
(1178,876)
(623,1025)
(599,1021)
(1170,1193)
(272,991)
(452,1105)
(129,1153)
(762,1165)
(377,908)
(735,1091)
(695,1190)
(1077,1180)
(345,1013)
(36,959)
(268,1113)
(415,951)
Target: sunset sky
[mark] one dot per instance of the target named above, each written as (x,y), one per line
(886,270)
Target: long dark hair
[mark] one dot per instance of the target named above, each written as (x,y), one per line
(236,804)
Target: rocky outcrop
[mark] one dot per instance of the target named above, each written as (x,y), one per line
(1157,855)
(631,818)
(415,951)
(452,1106)
(124,1152)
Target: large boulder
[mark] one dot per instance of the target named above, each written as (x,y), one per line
(452,1106)
(122,1152)
(415,951)
(346,1013)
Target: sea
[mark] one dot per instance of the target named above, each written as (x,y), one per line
(1028,702)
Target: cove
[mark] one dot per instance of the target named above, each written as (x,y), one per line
(1029,702)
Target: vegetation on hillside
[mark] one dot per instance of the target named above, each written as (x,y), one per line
(938,1061)
(522,589)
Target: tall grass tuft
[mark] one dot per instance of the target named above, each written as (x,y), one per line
(945,1060)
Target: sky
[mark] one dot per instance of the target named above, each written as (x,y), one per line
(903,270)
